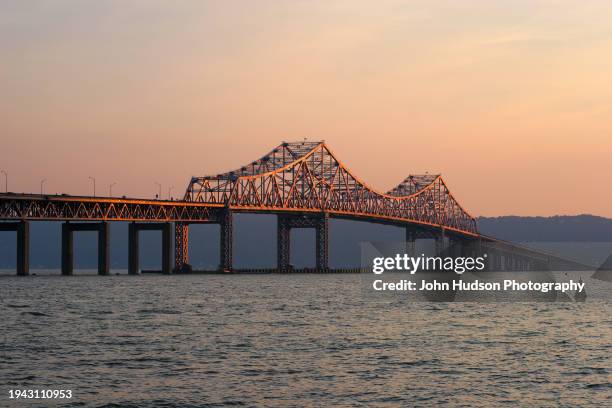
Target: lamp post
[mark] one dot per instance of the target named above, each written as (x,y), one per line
(42,182)
(158,185)
(5,180)
(94,185)
(169,191)
(110,189)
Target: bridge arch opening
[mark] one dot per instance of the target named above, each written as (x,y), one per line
(254,241)
(103,232)
(149,255)
(134,245)
(286,223)
(203,246)
(302,250)
(85,252)
(20,232)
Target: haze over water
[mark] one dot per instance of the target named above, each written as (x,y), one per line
(293,340)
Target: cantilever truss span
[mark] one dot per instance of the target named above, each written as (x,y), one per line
(308,177)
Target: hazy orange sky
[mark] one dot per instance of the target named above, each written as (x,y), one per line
(511,101)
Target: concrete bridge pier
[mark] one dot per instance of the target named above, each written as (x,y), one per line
(104,248)
(500,262)
(103,230)
(23,248)
(22,229)
(133,250)
(67,249)
(166,247)
(496,261)
(133,245)
(410,241)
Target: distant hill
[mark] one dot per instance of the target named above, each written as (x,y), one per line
(561,228)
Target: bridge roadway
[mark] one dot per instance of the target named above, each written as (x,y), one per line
(94,213)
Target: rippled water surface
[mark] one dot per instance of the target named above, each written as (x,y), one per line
(292,340)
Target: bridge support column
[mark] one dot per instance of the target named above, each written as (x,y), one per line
(496,262)
(22,229)
(227,242)
(322,243)
(133,250)
(440,242)
(103,230)
(410,241)
(283,243)
(455,248)
(491,261)
(104,249)
(67,250)
(166,248)
(23,248)
(181,246)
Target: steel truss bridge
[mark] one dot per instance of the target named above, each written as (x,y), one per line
(303,183)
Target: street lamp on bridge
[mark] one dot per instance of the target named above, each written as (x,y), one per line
(158,185)
(94,185)
(42,182)
(169,191)
(110,189)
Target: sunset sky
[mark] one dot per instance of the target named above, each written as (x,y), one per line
(510,101)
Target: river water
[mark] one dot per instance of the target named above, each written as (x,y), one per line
(292,340)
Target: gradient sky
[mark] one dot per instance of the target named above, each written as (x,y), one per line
(510,101)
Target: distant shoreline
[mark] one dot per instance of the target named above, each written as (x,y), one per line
(558,228)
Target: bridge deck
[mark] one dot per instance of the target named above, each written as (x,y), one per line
(36,207)
(84,208)
(63,207)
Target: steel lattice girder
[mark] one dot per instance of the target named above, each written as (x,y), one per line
(29,207)
(307,176)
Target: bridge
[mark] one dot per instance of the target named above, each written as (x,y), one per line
(303,183)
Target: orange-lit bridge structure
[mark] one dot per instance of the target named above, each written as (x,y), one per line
(303,183)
